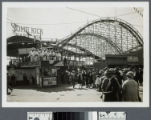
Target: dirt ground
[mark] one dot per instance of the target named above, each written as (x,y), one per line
(64,93)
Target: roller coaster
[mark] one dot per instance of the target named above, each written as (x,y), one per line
(103,36)
(94,40)
(106,42)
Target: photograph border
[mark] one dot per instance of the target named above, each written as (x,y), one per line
(145,102)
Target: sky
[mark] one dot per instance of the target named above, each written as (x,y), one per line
(61,22)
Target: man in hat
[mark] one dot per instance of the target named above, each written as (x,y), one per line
(110,86)
(97,82)
(9,85)
(130,88)
(73,74)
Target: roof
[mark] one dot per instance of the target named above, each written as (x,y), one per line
(16,42)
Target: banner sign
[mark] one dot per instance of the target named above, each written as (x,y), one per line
(27,31)
(24,51)
(132,59)
(49,81)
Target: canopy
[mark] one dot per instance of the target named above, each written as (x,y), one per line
(16,42)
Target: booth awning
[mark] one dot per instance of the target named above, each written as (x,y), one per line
(16,42)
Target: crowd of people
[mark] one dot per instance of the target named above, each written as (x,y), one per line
(44,55)
(115,84)
(82,77)
(39,54)
(120,84)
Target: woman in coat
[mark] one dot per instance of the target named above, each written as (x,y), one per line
(130,88)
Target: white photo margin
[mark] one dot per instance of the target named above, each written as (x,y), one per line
(145,5)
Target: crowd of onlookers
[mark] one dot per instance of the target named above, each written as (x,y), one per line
(120,84)
(38,54)
(116,84)
(44,54)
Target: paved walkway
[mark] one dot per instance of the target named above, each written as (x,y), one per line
(65,93)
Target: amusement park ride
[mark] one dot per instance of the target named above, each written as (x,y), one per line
(98,41)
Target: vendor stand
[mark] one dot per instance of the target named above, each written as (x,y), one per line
(48,74)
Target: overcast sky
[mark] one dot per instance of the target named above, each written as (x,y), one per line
(59,22)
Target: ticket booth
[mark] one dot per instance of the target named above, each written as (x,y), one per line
(48,74)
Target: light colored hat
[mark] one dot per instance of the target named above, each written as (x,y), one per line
(130,74)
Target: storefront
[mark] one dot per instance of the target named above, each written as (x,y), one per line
(25,76)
